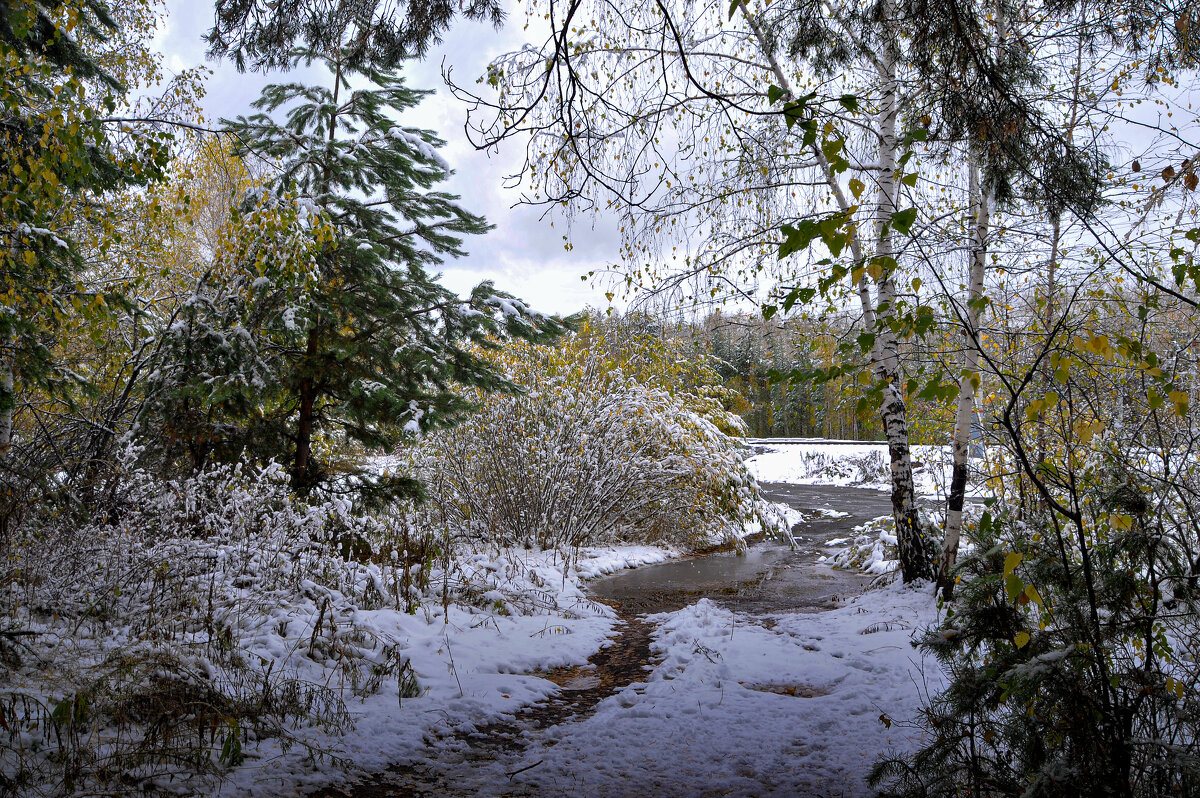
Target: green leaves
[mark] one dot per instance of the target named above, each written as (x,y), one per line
(231,748)
(902,221)
(57,160)
(831,230)
(801,295)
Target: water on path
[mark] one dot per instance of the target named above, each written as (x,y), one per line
(769,578)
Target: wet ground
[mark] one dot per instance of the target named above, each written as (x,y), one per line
(771,577)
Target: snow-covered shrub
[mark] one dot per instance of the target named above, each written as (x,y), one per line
(1070,644)
(872,548)
(871,466)
(588,454)
(206,613)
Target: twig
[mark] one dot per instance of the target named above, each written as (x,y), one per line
(453,669)
(522,770)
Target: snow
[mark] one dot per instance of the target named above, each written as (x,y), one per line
(791,704)
(716,717)
(473,666)
(416,413)
(862,464)
(735,704)
(601,562)
(418,145)
(791,516)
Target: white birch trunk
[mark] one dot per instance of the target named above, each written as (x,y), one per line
(885,352)
(980,201)
(893,411)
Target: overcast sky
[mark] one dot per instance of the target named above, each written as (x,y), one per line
(524,254)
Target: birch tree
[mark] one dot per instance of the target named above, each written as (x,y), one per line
(706,135)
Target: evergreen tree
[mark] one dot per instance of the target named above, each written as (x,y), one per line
(263,33)
(327,272)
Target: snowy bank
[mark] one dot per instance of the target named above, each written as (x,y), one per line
(864,465)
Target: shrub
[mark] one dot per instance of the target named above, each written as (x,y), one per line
(586,454)
(1072,670)
(202,614)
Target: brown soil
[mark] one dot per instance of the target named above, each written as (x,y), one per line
(794,690)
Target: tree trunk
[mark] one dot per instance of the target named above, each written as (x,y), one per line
(302,472)
(893,411)
(303,475)
(885,355)
(7,403)
(969,379)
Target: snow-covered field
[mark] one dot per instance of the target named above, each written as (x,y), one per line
(858,464)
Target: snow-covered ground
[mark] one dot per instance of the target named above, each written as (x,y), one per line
(859,464)
(791,704)
(736,708)
(788,704)
(472,667)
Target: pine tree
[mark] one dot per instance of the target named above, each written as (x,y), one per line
(264,33)
(329,268)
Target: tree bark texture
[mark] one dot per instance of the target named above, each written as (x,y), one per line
(969,381)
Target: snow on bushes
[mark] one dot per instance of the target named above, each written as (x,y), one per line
(589,454)
(204,614)
(214,618)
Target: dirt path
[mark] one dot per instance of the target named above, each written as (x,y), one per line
(769,579)
(625,660)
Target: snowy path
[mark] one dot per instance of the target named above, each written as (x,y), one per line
(743,695)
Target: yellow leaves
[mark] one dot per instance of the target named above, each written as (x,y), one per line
(1085,431)
(1175,687)
(1099,345)
(1179,401)
(1012,561)
(1035,408)
(1021,639)
(856,187)
(1122,522)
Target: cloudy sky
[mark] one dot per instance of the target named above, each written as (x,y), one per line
(524,254)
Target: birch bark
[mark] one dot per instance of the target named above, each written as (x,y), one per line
(981,201)
(885,351)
